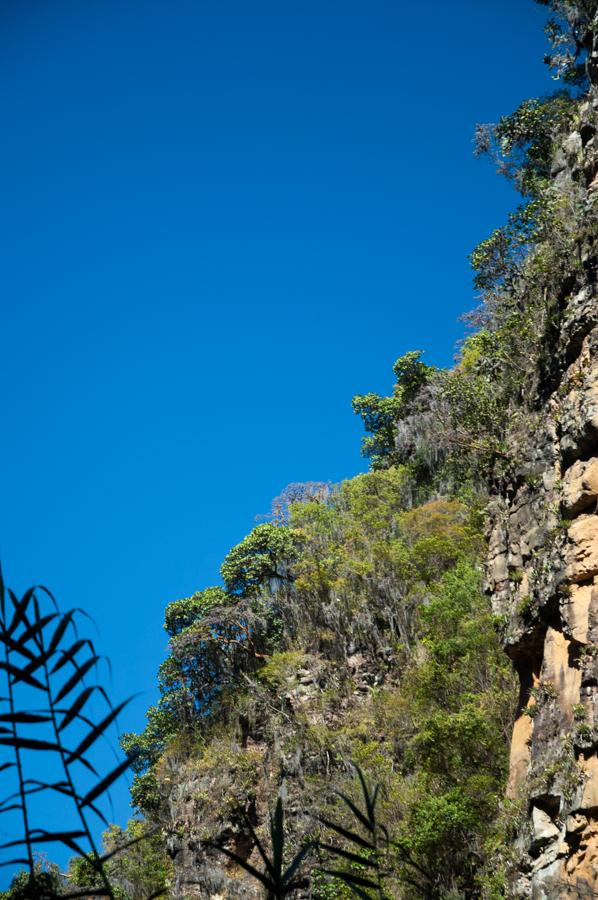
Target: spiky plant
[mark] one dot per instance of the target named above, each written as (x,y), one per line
(374,857)
(45,715)
(369,844)
(278,880)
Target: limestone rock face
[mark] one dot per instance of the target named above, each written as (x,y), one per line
(542,576)
(582,550)
(544,828)
(580,487)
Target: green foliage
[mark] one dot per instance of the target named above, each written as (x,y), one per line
(380,415)
(181,614)
(280,668)
(145,749)
(366,847)
(218,637)
(497,260)
(570,36)
(522,145)
(403,584)
(353,625)
(517,267)
(137,864)
(45,884)
(411,374)
(438,829)
(261,560)
(450,431)
(460,696)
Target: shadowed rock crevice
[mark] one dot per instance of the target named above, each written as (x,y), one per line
(542,570)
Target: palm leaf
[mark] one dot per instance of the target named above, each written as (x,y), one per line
(34,637)
(2,595)
(16,646)
(24,718)
(65,620)
(29,744)
(267,861)
(351,857)
(370,802)
(64,788)
(96,732)
(35,628)
(41,836)
(352,879)
(20,608)
(72,713)
(18,675)
(108,781)
(277,837)
(251,870)
(348,835)
(367,824)
(10,808)
(299,857)
(76,677)
(69,655)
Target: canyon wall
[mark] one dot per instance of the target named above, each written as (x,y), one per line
(543,575)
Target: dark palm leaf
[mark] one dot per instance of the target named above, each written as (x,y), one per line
(287,877)
(76,677)
(35,653)
(343,876)
(356,878)
(351,836)
(348,855)
(108,781)
(96,732)
(67,656)
(73,712)
(277,880)
(264,879)
(20,609)
(365,820)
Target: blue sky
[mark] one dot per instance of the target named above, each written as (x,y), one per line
(219,222)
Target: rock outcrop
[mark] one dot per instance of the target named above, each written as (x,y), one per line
(543,578)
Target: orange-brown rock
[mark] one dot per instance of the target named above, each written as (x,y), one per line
(582,549)
(580,487)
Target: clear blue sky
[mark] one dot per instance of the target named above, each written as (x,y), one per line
(219,222)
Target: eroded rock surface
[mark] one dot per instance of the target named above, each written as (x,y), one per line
(543,580)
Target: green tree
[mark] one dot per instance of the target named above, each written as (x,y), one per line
(572,36)
(138,864)
(381,415)
(45,884)
(262,560)
(182,614)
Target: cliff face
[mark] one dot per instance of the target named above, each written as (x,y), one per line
(384,656)
(543,574)
(354,628)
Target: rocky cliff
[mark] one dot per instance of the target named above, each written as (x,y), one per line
(543,569)
(354,627)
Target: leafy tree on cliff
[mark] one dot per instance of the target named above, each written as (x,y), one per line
(261,560)
(380,415)
(572,35)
